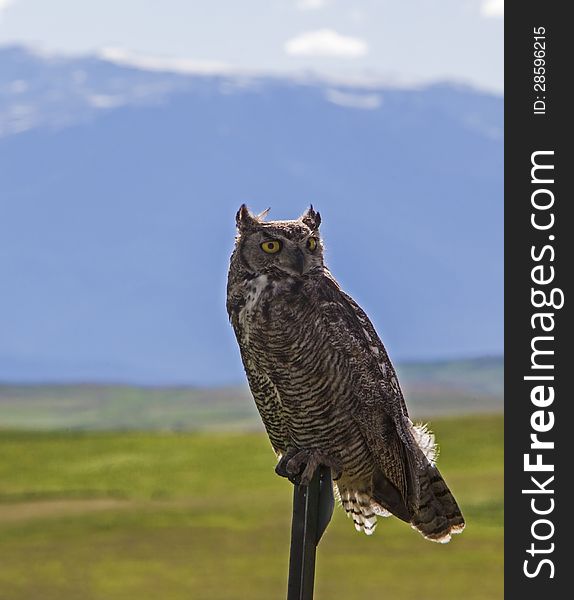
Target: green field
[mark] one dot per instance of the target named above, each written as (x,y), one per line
(92,515)
(431,389)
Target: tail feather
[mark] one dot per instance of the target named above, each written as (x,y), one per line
(434,513)
(359,507)
(406,483)
(437,516)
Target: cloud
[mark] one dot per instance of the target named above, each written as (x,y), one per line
(492,8)
(311,4)
(326,42)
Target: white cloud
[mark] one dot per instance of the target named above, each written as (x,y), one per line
(492,8)
(326,42)
(311,4)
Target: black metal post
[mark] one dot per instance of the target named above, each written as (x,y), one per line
(312,509)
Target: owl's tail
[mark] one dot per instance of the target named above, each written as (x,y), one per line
(359,505)
(426,503)
(437,516)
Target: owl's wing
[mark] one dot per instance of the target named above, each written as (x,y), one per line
(381,412)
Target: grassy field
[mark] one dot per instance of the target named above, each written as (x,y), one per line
(93,515)
(431,388)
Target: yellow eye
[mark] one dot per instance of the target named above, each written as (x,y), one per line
(271,247)
(312,243)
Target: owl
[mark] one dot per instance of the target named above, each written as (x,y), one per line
(323,382)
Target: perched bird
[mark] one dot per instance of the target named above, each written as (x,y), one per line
(323,382)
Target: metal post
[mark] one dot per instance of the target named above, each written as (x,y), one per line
(312,509)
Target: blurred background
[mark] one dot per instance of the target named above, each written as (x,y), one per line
(133,461)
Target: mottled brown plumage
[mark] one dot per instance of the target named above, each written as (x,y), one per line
(323,382)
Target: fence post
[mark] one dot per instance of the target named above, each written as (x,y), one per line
(312,510)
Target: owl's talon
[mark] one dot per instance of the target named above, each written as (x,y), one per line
(281,467)
(312,459)
(336,472)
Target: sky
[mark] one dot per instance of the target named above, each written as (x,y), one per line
(409,41)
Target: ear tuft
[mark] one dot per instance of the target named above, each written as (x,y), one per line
(244,219)
(311,218)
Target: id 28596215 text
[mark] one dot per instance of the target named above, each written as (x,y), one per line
(539,80)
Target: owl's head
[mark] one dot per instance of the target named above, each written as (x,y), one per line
(291,248)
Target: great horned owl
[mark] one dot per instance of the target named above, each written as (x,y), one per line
(323,382)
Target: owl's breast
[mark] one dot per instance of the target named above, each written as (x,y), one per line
(270,312)
(283,336)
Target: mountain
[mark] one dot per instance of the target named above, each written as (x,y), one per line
(119,186)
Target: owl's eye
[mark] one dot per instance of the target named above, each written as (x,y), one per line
(312,244)
(271,247)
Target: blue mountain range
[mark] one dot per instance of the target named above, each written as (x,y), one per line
(119,186)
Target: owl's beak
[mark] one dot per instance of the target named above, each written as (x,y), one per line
(298,261)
